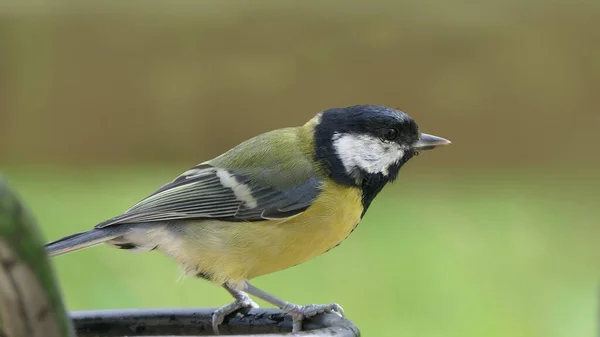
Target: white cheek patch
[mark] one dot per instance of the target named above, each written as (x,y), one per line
(242,191)
(366,153)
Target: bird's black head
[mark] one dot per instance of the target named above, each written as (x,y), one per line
(366,145)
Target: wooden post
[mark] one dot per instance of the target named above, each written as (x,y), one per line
(30,301)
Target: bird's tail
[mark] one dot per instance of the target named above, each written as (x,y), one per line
(81,240)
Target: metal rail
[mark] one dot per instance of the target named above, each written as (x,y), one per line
(197,322)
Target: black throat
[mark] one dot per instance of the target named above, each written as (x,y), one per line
(369,183)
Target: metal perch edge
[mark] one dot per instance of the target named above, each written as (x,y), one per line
(197,322)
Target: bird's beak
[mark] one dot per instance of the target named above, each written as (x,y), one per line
(428,142)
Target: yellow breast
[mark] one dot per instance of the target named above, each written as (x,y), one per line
(236,251)
(321,227)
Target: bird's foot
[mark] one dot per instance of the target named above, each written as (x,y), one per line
(301,312)
(242,301)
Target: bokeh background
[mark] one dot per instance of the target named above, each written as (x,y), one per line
(101,102)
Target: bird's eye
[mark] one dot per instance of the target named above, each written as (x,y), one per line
(390,134)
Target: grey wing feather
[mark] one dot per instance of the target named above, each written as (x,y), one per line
(209,192)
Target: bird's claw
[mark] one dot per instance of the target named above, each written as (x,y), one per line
(219,315)
(301,312)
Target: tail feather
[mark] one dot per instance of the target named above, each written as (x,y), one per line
(81,240)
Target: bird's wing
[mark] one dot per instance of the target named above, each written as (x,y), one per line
(209,191)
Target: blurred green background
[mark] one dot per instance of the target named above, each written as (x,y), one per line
(101,102)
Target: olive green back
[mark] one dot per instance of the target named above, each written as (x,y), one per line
(280,158)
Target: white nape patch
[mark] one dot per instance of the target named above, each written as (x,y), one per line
(241,191)
(317,118)
(366,153)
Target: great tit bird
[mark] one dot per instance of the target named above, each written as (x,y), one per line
(270,203)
